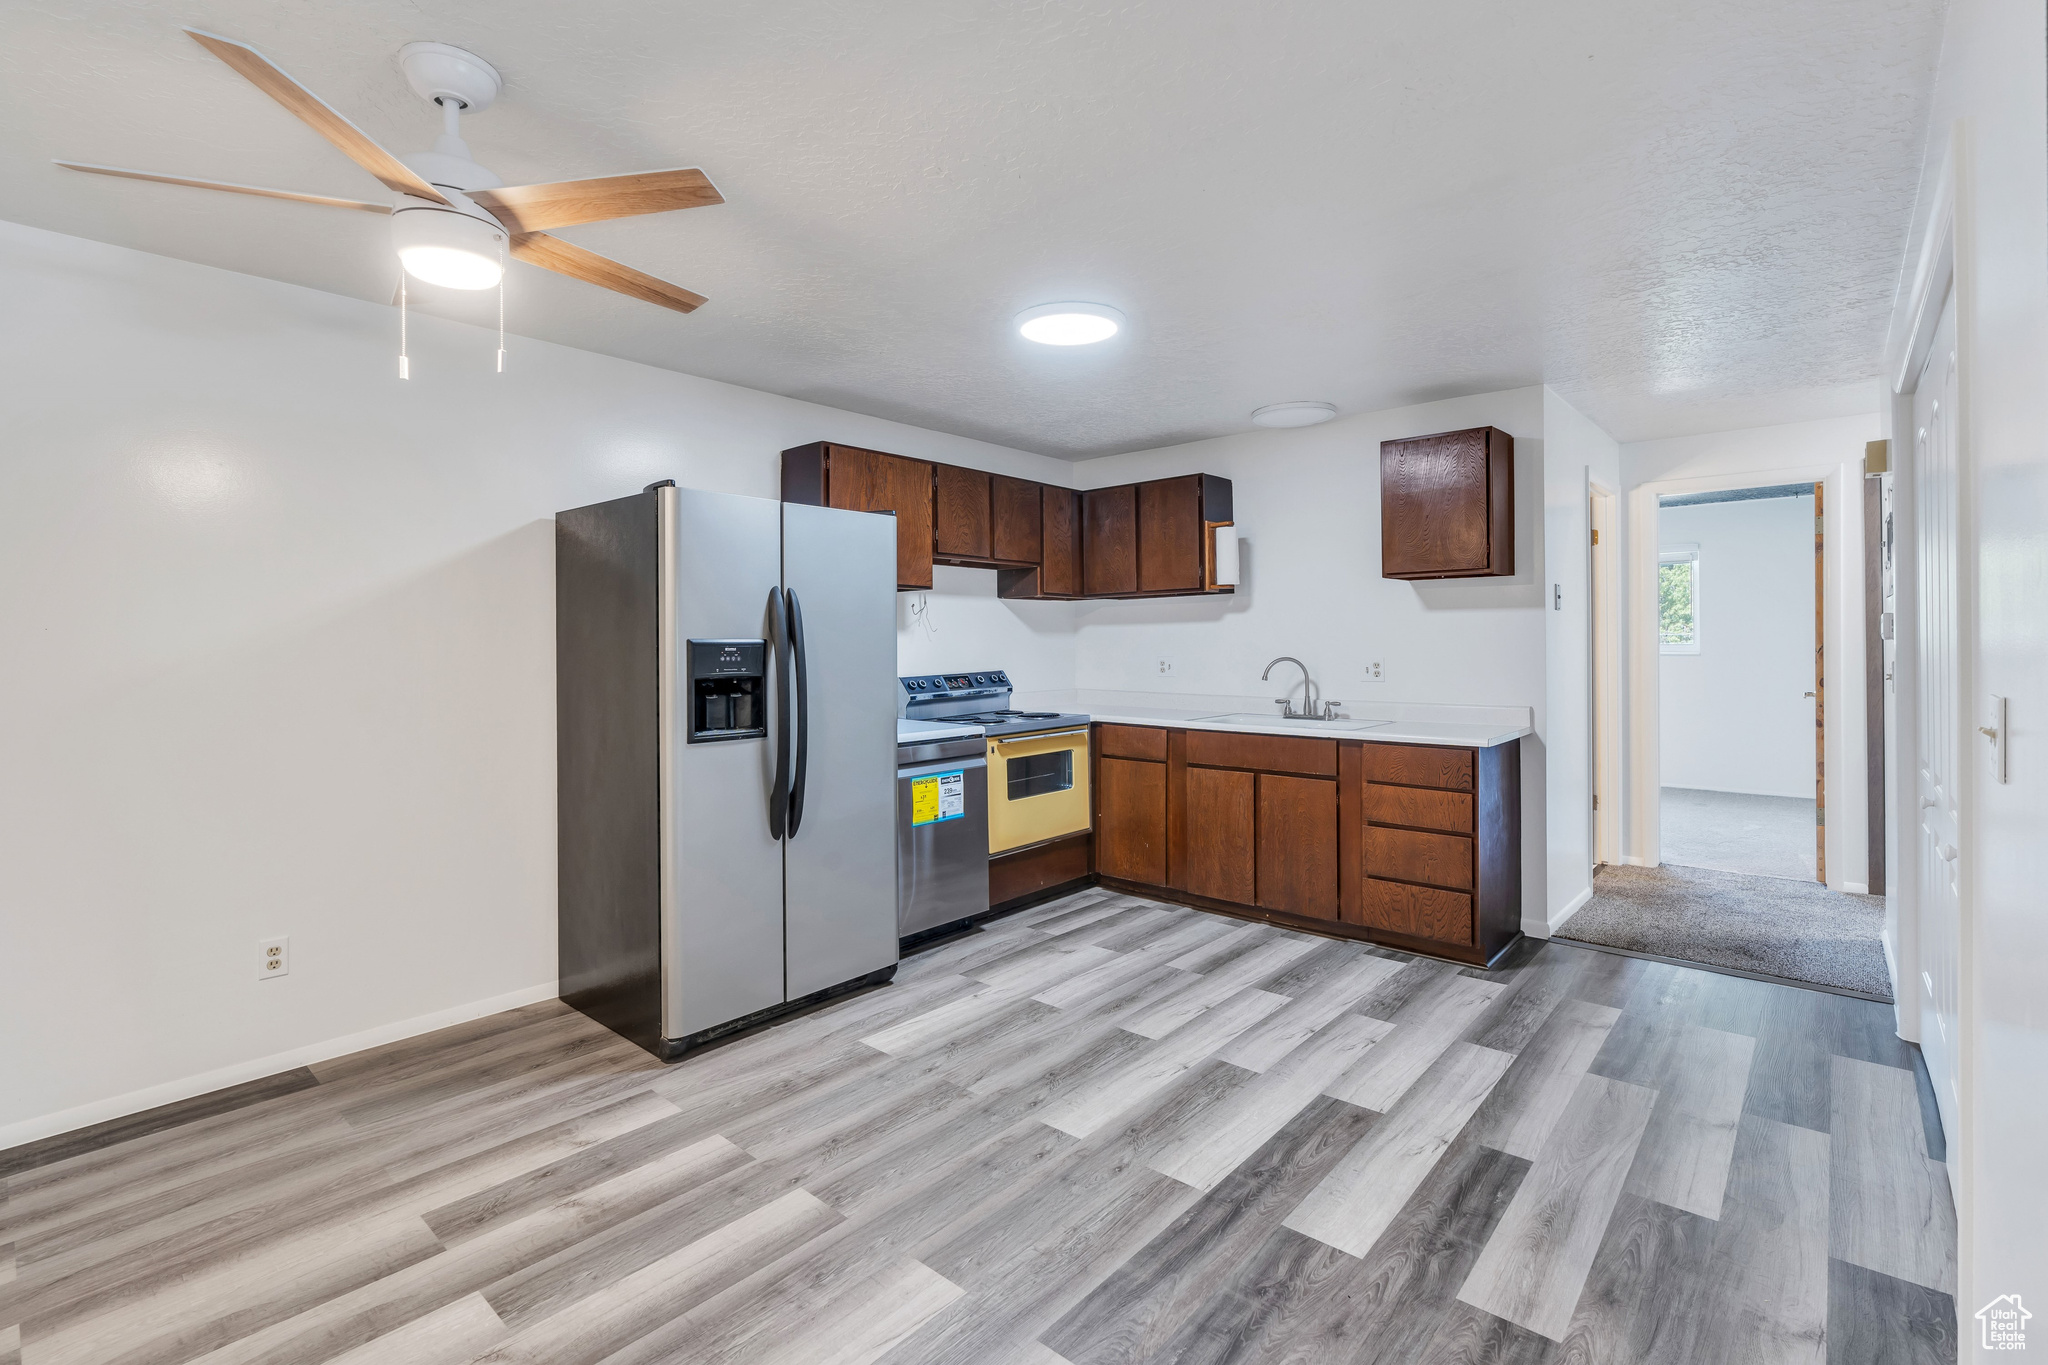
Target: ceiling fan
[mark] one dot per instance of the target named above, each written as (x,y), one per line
(452,220)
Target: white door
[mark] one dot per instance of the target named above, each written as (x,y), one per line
(1940,776)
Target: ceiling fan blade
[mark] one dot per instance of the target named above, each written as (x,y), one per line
(564,203)
(354,143)
(256,190)
(552,253)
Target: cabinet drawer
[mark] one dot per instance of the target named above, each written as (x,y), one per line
(1418,911)
(1411,765)
(1265,753)
(1419,808)
(1130,741)
(1412,856)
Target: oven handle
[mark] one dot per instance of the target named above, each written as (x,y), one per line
(1043,734)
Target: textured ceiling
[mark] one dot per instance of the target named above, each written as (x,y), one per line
(1683,217)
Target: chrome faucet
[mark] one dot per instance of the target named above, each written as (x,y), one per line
(1309,711)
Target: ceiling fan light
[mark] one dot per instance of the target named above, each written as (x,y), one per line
(449,247)
(451,267)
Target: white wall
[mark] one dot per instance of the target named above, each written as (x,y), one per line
(279,635)
(1307,507)
(1831,448)
(1990,93)
(1576,455)
(1734,717)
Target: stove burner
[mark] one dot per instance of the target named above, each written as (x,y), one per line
(997,717)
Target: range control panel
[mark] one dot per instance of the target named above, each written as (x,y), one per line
(935,685)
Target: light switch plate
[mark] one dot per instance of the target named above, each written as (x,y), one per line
(273,958)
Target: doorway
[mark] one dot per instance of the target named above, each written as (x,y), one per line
(1741,679)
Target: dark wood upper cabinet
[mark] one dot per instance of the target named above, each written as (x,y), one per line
(1137,540)
(1060,566)
(1170,535)
(1109,541)
(829,475)
(1447,505)
(960,513)
(1017,520)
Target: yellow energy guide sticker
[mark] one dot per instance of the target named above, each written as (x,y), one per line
(941,796)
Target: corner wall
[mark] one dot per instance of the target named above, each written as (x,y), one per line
(1307,507)
(280,642)
(1576,455)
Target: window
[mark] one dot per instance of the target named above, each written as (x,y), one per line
(1678,599)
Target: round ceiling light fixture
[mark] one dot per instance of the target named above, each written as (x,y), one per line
(1069,324)
(1293,414)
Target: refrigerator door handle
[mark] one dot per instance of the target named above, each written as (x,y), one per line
(803,714)
(778,800)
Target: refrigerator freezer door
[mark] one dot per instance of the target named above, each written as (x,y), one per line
(722,950)
(840,865)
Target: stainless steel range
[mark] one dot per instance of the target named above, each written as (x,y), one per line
(1037,760)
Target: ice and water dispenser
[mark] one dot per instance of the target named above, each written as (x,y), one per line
(728,689)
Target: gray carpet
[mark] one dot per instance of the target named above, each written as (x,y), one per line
(1798,930)
(1771,836)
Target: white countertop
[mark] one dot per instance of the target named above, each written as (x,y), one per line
(1475,727)
(932,731)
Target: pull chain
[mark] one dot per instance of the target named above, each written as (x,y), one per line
(501,305)
(404,363)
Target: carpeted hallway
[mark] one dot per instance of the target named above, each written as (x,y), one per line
(1797,930)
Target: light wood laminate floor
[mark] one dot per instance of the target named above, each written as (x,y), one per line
(1104,1130)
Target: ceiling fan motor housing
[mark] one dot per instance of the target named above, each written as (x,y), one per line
(441,73)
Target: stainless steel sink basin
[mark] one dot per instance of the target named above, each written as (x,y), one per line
(1266,720)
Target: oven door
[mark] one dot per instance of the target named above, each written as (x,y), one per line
(1037,788)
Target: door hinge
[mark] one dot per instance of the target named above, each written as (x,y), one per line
(1596,535)
(1596,800)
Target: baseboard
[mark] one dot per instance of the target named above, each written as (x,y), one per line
(1631,860)
(1858,889)
(170,1092)
(1536,928)
(1906,1031)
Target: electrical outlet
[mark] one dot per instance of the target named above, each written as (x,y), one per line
(273,958)
(1166,665)
(1375,671)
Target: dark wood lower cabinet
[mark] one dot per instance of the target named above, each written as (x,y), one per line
(1130,820)
(1220,815)
(1417,846)
(1298,845)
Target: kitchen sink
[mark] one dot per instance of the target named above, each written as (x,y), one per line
(1266,719)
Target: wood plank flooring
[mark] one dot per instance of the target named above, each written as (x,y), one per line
(1104,1131)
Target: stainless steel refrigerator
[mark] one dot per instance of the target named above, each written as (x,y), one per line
(726,695)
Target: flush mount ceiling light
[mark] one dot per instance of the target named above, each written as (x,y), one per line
(1293,414)
(1069,324)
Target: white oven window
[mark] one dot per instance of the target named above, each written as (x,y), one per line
(1040,774)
